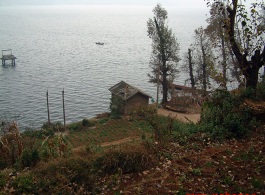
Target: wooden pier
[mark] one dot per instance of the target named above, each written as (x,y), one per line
(7,55)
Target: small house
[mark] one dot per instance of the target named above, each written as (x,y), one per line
(132,96)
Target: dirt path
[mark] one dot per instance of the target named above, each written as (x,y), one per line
(180,116)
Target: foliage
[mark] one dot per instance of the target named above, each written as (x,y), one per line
(30,158)
(38,133)
(3,179)
(116,116)
(161,125)
(58,126)
(117,105)
(246,36)
(164,57)
(261,91)
(204,66)
(55,147)
(127,159)
(11,145)
(24,184)
(88,123)
(103,120)
(75,126)
(223,116)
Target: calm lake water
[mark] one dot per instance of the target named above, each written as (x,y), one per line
(55,49)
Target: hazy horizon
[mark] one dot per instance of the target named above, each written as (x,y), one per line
(180,3)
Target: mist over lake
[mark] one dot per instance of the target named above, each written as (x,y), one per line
(55,49)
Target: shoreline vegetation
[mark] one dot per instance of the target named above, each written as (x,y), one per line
(142,153)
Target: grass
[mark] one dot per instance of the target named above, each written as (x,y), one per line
(181,164)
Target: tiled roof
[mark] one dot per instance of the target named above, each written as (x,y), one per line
(125,90)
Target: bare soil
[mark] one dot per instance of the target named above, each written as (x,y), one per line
(183,117)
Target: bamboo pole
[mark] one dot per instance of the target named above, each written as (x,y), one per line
(63,110)
(48,107)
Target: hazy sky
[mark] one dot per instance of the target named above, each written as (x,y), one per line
(185,3)
(193,3)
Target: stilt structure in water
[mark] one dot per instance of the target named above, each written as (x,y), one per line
(7,55)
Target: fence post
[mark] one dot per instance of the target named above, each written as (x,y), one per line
(63,110)
(48,107)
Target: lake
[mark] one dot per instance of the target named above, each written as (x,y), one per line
(55,49)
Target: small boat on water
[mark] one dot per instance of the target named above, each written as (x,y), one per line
(175,110)
(98,43)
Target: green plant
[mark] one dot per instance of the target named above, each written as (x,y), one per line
(227,180)
(224,117)
(209,164)
(196,171)
(30,157)
(126,160)
(117,105)
(74,126)
(24,184)
(182,179)
(103,120)
(117,116)
(88,123)
(257,183)
(3,179)
(261,90)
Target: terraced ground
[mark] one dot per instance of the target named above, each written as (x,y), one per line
(109,132)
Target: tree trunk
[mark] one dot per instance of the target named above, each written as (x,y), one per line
(164,82)
(250,68)
(191,71)
(204,74)
(252,76)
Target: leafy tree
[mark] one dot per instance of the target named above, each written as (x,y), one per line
(220,41)
(203,57)
(248,42)
(165,48)
(189,66)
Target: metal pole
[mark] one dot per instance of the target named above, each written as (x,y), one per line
(63,110)
(48,107)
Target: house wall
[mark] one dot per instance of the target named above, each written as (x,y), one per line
(135,100)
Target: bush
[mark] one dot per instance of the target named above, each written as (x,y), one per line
(58,126)
(74,127)
(127,159)
(3,179)
(261,91)
(103,120)
(117,105)
(224,117)
(88,123)
(115,116)
(24,184)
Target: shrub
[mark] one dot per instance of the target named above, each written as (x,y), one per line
(126,160)
(3,179)
(162,126)
(103,120)
(117,116)
(24,184)
(117,105)
(88,123)
(261,91)
(11,145)
(30,157)
(58,126)
(74,127)
(223,116)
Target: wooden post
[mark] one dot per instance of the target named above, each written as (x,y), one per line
(157,92)
(48,107)
(63,110)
